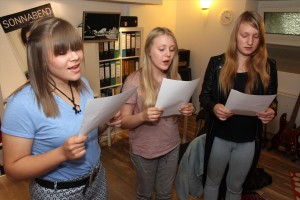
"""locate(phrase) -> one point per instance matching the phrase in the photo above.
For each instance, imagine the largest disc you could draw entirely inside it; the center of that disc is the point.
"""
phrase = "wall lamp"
(205, 4)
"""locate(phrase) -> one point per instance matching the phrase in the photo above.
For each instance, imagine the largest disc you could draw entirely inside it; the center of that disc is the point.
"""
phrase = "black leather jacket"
(211, 95)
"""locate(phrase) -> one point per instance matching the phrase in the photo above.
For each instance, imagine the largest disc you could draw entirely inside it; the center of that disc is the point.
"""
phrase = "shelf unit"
(127, 60)
(118, 64)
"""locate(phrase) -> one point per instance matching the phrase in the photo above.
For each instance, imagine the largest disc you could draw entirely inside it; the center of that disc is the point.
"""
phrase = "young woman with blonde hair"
(154, 140)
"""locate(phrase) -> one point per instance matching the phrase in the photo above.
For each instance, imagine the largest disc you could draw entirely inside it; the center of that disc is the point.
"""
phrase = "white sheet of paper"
(246, 104)
(173, 94)
(100, 110)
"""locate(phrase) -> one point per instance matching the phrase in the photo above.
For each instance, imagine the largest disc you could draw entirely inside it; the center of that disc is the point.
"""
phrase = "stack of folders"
(108, 50)
(131, 44)
(129, 66)
(110, 73)
(110, 91)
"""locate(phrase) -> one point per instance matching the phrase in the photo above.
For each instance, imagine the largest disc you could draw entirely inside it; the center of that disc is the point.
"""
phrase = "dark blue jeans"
(155, 175)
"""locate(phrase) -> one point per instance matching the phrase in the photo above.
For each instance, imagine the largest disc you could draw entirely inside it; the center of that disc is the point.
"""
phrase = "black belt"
(61, 185)
(68, 184)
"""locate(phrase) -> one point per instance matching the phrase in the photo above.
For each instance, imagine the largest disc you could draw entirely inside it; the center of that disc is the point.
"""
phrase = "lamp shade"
(205, 4)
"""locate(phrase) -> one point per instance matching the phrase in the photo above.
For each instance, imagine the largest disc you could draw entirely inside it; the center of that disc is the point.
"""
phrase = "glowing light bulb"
(205, 4)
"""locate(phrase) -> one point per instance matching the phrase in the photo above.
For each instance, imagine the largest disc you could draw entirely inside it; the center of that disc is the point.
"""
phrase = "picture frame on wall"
(100, 26)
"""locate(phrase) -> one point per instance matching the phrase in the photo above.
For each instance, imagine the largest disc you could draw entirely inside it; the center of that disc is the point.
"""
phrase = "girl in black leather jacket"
(232, 142)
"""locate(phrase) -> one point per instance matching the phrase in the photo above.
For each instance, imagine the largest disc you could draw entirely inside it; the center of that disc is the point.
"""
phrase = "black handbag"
(258, 180)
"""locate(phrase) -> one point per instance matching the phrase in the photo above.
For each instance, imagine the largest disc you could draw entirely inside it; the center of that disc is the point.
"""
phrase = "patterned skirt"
(96, 191)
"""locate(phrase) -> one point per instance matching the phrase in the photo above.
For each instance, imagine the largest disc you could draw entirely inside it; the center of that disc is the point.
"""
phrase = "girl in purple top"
(154, 139)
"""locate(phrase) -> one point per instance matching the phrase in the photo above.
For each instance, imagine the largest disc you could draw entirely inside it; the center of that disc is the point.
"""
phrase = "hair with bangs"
(149, 85)
(49, 36)
(257, 65)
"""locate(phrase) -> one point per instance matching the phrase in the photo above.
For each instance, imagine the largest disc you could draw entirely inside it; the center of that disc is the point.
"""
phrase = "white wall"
(202, 33)
(195, 29)
(288, 91)
(11, 75)
(150, 16)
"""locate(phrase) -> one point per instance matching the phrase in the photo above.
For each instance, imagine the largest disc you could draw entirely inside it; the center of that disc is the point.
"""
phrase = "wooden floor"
(121, 176)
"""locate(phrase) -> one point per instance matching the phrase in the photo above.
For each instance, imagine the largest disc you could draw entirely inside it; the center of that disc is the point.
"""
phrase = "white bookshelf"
(93, 62)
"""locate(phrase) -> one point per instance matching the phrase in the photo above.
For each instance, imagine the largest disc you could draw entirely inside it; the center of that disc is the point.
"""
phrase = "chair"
(200, 120)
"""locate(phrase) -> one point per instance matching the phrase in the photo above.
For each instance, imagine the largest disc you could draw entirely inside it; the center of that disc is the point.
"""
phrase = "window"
(284, 23)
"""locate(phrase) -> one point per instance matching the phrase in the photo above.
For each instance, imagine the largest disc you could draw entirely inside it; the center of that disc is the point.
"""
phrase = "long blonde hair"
(257, 65)
(149, 86)
(55, 36)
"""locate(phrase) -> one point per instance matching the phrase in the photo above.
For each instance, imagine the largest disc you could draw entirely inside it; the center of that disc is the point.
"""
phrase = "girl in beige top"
(154, 139)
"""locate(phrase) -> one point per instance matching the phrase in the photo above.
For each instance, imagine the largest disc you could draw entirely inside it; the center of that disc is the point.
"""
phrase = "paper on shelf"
(246, 104)
(173, 94)
(100, 110)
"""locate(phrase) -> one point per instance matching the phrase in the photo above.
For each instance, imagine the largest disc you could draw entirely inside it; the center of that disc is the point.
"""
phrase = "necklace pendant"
(77, 109)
